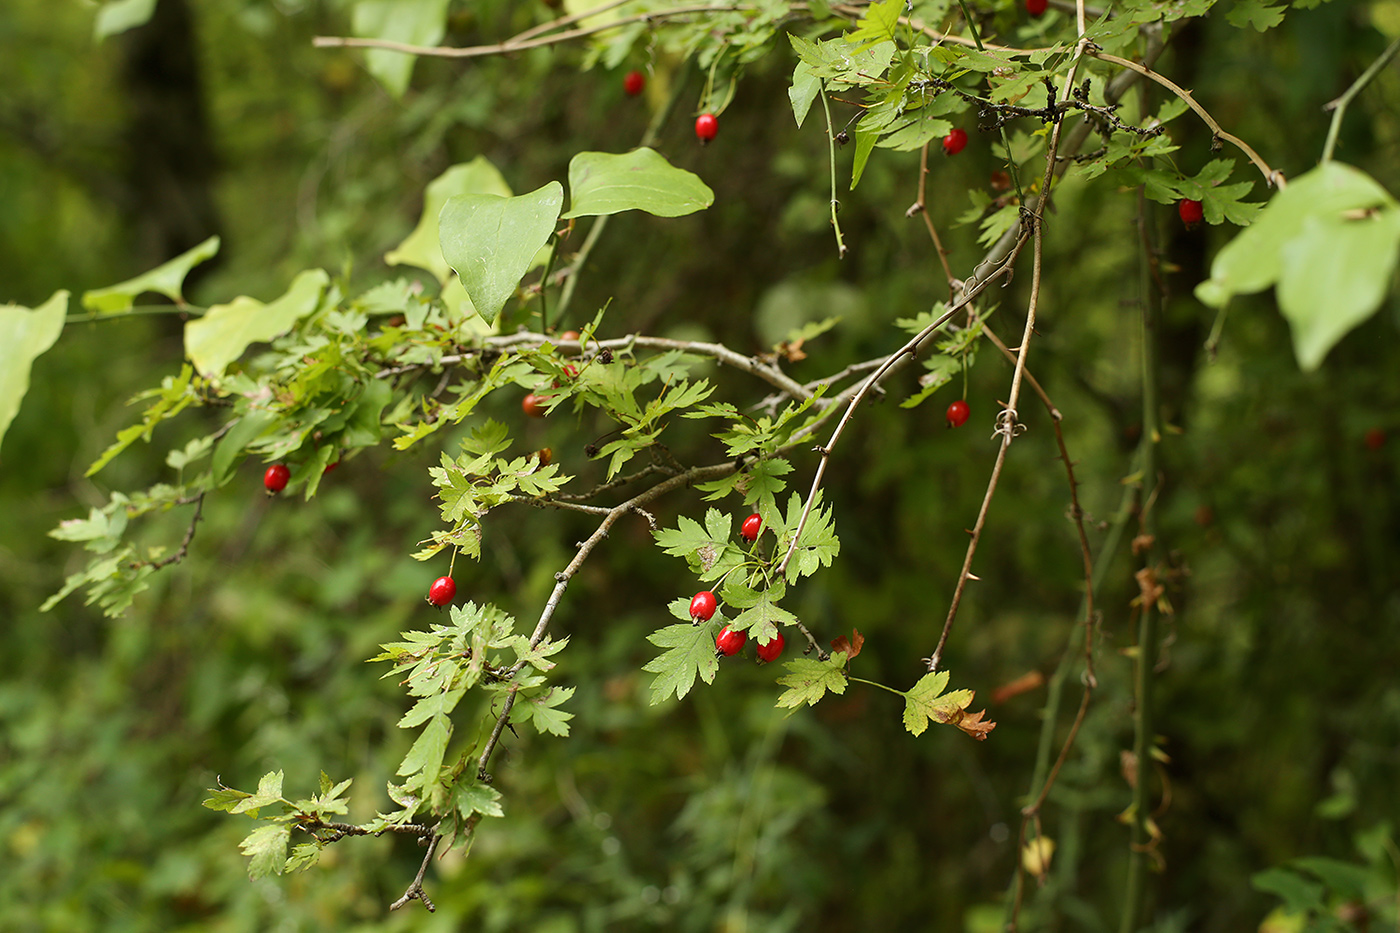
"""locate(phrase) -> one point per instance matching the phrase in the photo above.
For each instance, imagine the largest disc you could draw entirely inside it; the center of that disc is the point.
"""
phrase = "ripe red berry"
(958, 413)
(729, 642)
(702, 606)
(1036, 7)
(442, 591)
(955, 141)
(633, 83)
(275, 477)
(751, 527)
(769, 651)
(706, 127)
(1190, 211)
(534, 405)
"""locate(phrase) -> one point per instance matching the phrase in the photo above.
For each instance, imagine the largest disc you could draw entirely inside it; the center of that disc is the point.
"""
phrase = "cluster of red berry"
(703, 605)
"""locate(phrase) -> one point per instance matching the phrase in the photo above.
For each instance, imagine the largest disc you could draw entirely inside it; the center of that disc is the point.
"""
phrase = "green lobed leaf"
(690, 650)
(491, 241)
(421, 247)
(220, 336)
(808, 681)
(266, 846)
(166, 279)
(541, 710)
(24, 335)
(603, 183)
(926, 698)
(470, 797)
(426, 753)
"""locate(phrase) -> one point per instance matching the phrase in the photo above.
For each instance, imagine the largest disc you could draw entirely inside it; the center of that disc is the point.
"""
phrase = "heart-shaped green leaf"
(490, 241)
(421, 248)
(640, 180)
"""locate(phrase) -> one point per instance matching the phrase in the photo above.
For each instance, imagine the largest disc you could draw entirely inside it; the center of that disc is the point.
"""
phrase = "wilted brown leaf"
(851, 646)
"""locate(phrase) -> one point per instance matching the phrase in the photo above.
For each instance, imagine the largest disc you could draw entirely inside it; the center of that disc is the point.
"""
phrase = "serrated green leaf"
(926, 698)
(808, 681)
(438, 704)
(166, 279)
(761, 617)
(220, 336)
(224, 798)
(690, 650)
(491, 241)
(426, 754)
(470, 797)
(266, 847)
(24, 335)
(542, 711)
(642, 180)
(269, 792)
(421, 247)
(1256, 13)
(303, 857)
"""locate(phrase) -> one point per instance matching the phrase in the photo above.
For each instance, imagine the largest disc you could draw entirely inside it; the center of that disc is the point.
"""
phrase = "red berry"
(276, 476)
(569, 335)
(955, 141)
(729, 642)
(330, 466)
(1190, 211)
(751, 527)
(442, 591)
(769, 651)
(1036, 7)
(958, 413)
(706, 127)
(702, 606)
(534, 405)
(633, 83)
(1375, 439)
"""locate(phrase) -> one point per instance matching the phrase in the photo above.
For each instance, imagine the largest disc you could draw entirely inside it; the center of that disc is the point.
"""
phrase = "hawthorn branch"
(415, 890)
(530, 39)
(1271, 175)
(184, 549)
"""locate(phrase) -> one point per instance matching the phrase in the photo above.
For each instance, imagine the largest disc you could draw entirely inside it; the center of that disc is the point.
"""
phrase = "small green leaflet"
(707, 550)
(266, 846)
(690, 650)
(473, 797)
(540, 709)
(808, 681)
(926, 698)
(818, 544)
(761, 615)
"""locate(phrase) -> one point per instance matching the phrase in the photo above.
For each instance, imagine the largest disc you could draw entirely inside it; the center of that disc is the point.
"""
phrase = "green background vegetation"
(1278, 703)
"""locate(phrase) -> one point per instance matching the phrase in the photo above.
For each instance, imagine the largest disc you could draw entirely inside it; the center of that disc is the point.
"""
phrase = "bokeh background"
(1279, 701)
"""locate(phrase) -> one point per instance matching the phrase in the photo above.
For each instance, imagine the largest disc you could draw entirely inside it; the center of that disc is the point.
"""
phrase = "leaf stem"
(831, 149)
(1339, 106)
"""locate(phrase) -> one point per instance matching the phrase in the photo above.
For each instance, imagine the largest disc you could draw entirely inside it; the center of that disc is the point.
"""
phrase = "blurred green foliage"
(1278, 707)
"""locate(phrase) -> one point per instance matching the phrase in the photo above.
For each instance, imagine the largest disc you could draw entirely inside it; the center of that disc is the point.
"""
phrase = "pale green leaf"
(690, 650)
(117, 16)
(266, 846)
(221, 336)
(642, 180)
(167, 279)
(421, 248)
(926, 698)
(490, 241)
(24, 335)
(411, 22)
(808, 681)
(804, 90)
